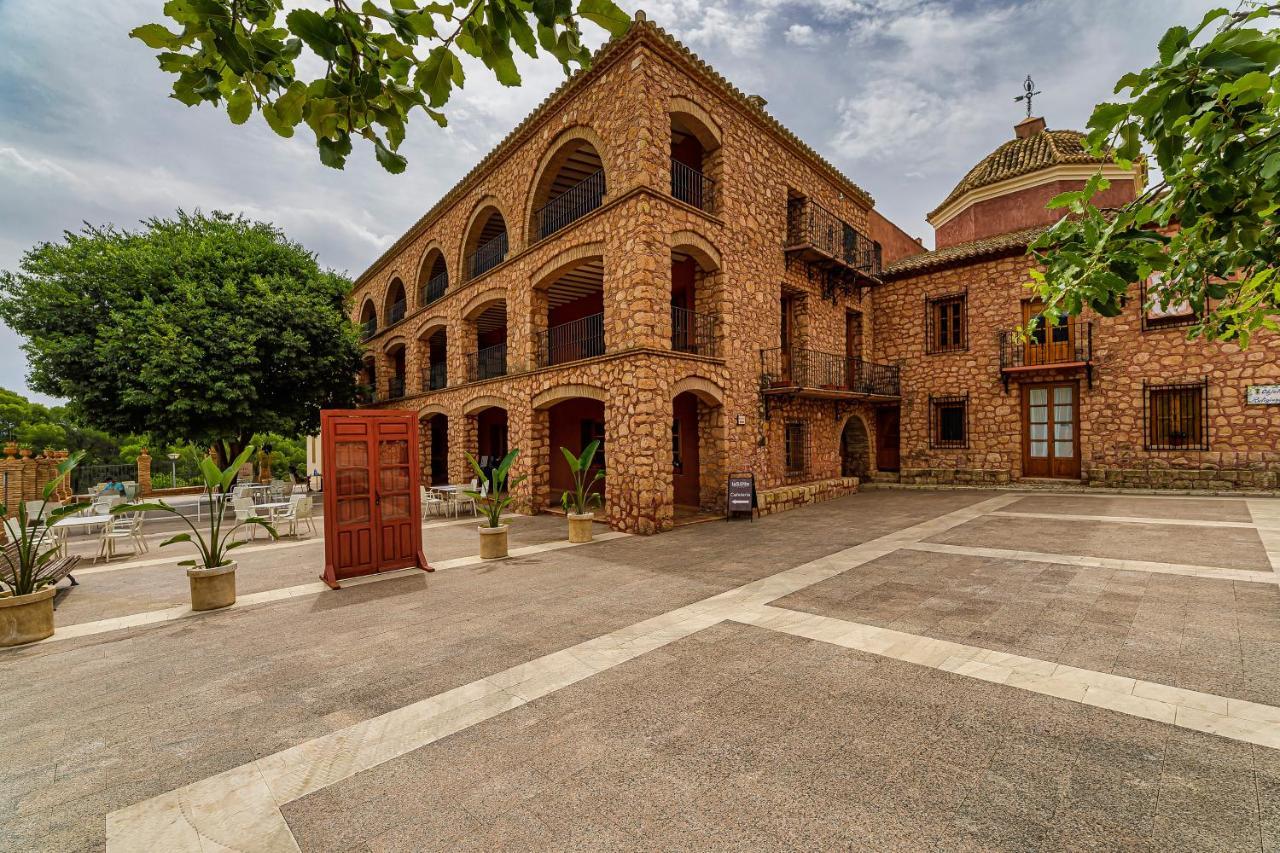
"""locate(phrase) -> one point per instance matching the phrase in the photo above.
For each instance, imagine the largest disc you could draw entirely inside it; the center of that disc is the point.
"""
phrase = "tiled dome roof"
(1021, 156)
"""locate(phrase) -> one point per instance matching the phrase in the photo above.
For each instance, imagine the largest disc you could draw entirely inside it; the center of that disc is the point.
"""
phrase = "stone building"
(652, 260)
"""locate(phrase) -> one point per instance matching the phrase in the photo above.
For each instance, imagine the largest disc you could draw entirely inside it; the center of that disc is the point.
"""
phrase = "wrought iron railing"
(488, 255)
(571, 341)
(809, 224)
(1068, 343)
(395, 387)
(572, 204)
(691, 186)
(435, 288)
(397, 312)
(368, 328)
(435, 376)
(693, 332)
(487, 363)
(810, 369)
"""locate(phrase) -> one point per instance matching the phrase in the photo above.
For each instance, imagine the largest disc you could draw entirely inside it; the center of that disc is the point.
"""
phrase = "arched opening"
(434, 439)
(568, 314)
(572, 184)
(697, 453)
(487, 242)
(435, 367)
(695, 161)
(368, 380)
(573, 424)
(490, 436)
(396, 363)
(433, 278)
(487, 326)
(695, 302)
(855, 449)
(368, 320)
(396, 304)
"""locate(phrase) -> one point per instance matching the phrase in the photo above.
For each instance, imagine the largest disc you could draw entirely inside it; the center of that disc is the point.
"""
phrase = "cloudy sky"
(903, 95)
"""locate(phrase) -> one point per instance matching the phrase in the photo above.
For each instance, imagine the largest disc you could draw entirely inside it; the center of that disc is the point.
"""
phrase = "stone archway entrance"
(434, 437)
(855, 449)
(697, 451)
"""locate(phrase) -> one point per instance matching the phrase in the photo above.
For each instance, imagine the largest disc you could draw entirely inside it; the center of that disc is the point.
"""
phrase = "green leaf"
(391, 161)
(319, 33)
(606, 14)
(154, 36)
(435, 75)
(240, 104)
(333, 152)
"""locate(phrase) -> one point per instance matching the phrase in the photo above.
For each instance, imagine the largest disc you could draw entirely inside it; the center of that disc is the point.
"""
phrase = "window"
(1177, 416)
(1156, 314)
(677, 459)
(949, 422)
(946, 323)
(797, 441)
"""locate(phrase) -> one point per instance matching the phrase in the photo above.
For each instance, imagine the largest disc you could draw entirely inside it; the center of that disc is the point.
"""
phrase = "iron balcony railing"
(395, 387)
(693, 332)
(571, 341)
(810, 225)
(691, 186)
(397, 312)
(1069, 343)
(798, 368)
(368, 328)
(435, 288)
(488, 256)
(572, 204)
(487, 363)
(435, 376)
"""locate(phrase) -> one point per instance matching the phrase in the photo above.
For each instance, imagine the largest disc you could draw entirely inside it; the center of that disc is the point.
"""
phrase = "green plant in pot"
(493, 500)
(212, 574)
(31, 564)
(579, 500)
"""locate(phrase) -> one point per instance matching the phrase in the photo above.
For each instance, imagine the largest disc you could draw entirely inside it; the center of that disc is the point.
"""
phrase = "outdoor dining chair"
(432, 503)
(245, 509)
(126, 527)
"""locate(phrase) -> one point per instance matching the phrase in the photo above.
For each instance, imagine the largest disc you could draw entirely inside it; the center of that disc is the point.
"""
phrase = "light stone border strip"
(1120, 565)
(1232, 718)
(1266, 515)
(1127, 519)
(170, 614)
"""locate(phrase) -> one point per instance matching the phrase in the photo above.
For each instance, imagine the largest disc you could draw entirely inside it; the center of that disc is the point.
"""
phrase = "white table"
(62, 525)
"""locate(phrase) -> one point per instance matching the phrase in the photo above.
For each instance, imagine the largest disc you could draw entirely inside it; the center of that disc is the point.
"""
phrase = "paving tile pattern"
(1129, 505)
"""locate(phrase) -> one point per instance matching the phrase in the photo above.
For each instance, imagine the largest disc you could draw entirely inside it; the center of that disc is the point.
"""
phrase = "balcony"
(487, 363)
(817, 236)
(1067, 346)
(395, 388)
(488, 256)
(691, 186)
(571, 341)
(692, 332)
(435, 377)
(823, 375)
(435, 288)
(397, 312)
(368, 328)
(570, 206)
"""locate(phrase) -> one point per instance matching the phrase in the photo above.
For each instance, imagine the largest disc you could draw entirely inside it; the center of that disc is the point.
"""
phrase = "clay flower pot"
(212, 588)
(26, 618)
(493, 542)
(580, 527)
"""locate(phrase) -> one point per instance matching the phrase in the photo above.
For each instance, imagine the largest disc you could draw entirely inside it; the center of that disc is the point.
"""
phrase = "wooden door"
(1048, 344)
(394, 494)
(887, 437)
(1050, 430)
(354, 547)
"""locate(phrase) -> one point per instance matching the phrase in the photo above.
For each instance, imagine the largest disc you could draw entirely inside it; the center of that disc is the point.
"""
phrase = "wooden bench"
(56, 569)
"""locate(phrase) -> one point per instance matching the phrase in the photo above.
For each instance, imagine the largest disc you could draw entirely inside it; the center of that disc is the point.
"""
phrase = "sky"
(903, 96)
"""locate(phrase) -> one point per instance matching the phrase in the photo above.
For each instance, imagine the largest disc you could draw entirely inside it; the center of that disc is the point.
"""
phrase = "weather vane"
(1028, 92)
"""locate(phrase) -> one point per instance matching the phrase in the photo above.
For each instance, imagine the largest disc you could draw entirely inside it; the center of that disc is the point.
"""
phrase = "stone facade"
(24, 474)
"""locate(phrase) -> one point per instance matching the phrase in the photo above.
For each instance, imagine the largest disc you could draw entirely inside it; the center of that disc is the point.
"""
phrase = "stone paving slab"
(1129, 505)
(1229, 548)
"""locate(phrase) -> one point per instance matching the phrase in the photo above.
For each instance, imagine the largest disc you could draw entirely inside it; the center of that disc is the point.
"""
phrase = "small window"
(1177, 416)
(946, 323)
(797, 440)
(949, 422)
(677, 458)
(1157, 313)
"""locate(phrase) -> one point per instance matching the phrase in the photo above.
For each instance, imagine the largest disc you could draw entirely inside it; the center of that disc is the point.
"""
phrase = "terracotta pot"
(580, 527)
(213, 588)
(26, 618)
(493, 542)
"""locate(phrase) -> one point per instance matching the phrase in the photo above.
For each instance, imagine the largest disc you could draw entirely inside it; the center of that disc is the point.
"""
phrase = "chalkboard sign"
(742, 495)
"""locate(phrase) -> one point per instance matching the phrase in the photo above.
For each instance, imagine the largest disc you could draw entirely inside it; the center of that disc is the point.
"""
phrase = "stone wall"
(790, 497)
(24, 474)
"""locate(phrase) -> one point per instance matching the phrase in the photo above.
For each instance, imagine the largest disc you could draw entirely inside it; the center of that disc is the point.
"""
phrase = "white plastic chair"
(125, 528)
(432, 503)
(245, 509)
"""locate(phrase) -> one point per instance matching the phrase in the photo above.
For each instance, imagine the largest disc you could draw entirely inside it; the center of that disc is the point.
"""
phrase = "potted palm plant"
(577, 502)
(213, 575)
(28, 568)
(493, 501)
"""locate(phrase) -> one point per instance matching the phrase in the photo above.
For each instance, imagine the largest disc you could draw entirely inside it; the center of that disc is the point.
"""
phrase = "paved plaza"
(894, 670)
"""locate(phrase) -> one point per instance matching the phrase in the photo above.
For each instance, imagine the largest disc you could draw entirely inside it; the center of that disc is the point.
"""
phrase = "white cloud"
(803, 35)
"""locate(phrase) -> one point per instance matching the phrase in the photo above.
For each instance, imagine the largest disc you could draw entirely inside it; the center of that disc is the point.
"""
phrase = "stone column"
(144, 473)
(523, 434)
(637, 431)
(637, 280)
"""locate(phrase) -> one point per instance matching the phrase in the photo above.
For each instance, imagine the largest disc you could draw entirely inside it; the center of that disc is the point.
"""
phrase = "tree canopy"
(200, 328)
(1207, 113)
(380, 60)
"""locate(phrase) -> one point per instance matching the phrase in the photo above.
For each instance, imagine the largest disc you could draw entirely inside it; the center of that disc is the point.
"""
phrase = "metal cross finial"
(1028, 92)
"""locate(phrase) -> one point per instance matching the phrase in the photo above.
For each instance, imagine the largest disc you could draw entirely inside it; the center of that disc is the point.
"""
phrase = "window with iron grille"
(1159, 313)
(946, 323)
(797, 446)
(1177, 416)
(949, 422)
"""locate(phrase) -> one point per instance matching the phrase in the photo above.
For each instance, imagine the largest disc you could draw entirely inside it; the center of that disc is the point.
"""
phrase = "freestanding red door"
(372, 505)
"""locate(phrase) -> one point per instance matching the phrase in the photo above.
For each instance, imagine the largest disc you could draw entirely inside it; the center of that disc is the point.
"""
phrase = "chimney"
(1028, 127)
(757, 101)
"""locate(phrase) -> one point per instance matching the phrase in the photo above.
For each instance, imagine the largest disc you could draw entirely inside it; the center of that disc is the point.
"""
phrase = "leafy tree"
(380, 59)
(198, 328)
(1208, 111)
